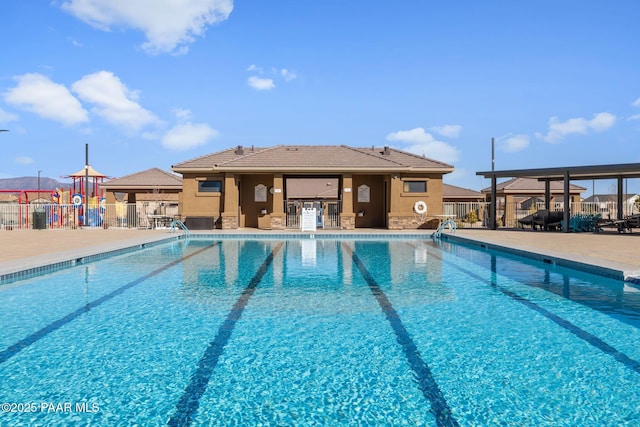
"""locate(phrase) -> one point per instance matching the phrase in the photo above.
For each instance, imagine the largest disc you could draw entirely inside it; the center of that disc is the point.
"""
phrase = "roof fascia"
(311, 170)
(627, 170)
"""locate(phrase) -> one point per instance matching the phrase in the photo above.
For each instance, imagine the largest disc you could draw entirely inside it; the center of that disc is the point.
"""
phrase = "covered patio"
(619, 172)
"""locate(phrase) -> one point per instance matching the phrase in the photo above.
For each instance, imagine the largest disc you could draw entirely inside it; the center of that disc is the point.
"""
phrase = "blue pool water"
(319, 332)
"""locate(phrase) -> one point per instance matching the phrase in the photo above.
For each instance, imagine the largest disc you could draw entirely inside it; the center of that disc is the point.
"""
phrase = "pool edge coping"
(613, 271)
(56, 261)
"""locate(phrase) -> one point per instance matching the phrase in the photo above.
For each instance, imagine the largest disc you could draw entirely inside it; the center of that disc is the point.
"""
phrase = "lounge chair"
(544, 219)
(527, 220)
(625, 225)
(547, 219)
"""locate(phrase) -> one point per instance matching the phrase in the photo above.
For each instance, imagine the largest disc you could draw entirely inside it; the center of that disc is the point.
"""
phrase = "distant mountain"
(31, 183)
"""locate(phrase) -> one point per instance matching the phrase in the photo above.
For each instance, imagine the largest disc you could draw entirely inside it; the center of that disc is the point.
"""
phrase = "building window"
(210, 186)
(414, 187)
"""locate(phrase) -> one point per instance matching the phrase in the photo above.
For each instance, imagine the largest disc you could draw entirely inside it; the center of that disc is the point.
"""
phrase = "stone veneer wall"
(410, 222)
(348, 222)
(278, 222)
(229, 223)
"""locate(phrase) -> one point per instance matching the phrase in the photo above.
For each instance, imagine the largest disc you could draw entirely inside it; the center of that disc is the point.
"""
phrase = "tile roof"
(82, 173)
(532, 185)
(157, 197)
(609, 197)
(312, 158)
(151, 178)
(452, 192)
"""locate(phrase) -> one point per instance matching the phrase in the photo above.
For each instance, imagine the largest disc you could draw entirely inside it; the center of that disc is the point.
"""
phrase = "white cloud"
(449, 131)
(168, 25)
(187, 135)
(457, 175)
(558, 130)
(38, 94)
(288, 75)
(423, 143)
(515, 143)
(23, 160)
(635, 117)
(636, 103)
(602, 121)
(112, 100)
(182, 114)
(6, 117)
(260, 83)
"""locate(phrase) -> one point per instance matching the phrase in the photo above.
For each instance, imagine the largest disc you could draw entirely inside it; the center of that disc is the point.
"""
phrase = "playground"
(80, 205)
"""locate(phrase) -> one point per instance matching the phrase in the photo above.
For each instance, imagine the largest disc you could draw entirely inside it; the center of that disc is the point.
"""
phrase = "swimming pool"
(319, 332)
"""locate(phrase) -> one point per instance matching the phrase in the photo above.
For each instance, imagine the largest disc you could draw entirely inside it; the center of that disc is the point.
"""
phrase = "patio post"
(567, 203)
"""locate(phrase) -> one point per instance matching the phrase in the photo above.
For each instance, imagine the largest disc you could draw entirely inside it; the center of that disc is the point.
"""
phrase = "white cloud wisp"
(113, 100)
(558, 130)
(168, 25)
(38, 94)
(515, 143)
(259, 83)
(423, 143)
(186, 136)
(449, 131)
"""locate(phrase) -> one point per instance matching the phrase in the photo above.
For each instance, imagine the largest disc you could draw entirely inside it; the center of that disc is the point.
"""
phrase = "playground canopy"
(92, 173)
(79, 177)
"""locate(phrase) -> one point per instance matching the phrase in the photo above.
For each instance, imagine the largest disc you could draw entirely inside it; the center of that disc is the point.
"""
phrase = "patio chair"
(622, 225)
(547, 220)
(527, 220)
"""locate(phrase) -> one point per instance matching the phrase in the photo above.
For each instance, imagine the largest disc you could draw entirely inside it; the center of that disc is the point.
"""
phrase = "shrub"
(471, 217)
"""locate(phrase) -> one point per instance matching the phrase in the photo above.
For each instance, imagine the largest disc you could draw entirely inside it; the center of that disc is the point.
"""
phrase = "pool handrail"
(447, 223)
(176, 223)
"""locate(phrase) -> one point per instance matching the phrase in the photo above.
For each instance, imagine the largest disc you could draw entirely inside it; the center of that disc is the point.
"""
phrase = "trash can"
(39, 220)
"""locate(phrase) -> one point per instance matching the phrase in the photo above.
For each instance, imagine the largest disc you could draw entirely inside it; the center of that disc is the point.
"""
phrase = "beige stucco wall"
(402, 214)
(251, 210)
(197, 204)
(239, 190)
(369, 214)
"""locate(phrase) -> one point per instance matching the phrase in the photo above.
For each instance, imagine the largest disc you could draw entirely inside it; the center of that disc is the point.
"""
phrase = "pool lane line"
(423, 375)
(16, 348)
(190, 400)
(619, 356)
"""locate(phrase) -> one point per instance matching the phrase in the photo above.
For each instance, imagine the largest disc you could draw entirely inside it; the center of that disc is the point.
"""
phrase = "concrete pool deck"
(26, 249)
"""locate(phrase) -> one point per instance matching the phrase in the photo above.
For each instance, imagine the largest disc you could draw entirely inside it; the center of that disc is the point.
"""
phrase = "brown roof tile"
(312, 158)
(151, 178)
(522, 185)
(453, 192)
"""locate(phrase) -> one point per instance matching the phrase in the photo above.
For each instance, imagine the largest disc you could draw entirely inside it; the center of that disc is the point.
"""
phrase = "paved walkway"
(609, 250)
(24, 249)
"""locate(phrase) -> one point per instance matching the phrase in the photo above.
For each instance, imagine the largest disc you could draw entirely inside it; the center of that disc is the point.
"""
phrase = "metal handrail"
(179, 224)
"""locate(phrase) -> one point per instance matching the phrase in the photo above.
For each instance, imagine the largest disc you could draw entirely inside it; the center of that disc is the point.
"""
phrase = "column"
(231, 201)
(278, 215)
(347, 216)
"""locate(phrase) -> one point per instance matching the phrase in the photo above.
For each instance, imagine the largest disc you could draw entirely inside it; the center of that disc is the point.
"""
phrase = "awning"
(312, 188)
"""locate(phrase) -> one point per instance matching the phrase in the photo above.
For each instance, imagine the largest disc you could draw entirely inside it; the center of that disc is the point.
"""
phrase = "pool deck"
(28, 249)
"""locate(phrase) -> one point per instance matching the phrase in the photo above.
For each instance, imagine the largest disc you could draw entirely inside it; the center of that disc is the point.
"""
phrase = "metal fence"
(468, 214)
(14, 216)
(328, 213)
(476, 214)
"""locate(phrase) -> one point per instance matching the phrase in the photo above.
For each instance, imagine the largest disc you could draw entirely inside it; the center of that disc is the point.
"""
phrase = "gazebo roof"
(82, 173)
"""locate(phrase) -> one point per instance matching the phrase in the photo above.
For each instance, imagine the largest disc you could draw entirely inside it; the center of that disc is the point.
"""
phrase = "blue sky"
(147, 84)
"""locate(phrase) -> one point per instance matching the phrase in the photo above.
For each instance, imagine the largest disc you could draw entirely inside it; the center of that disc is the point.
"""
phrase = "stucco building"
(348, 187)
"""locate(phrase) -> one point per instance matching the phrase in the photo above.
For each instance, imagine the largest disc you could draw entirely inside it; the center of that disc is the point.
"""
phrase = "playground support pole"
(86, 185)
